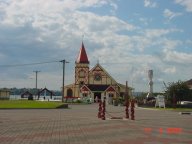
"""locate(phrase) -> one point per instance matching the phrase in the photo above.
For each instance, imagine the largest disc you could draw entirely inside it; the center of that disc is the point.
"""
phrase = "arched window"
(69, 93)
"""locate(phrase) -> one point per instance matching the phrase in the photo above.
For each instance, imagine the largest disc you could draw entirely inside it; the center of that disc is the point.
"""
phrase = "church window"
(111, 95)
(82, 73)
(85, 94)
(97, 77)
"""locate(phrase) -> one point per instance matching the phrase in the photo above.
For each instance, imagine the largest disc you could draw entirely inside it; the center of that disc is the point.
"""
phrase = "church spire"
(82, 57)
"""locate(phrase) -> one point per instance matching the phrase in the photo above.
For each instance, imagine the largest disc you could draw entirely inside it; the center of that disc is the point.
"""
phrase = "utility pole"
(63, 61)
(127, 92)
(36, 72)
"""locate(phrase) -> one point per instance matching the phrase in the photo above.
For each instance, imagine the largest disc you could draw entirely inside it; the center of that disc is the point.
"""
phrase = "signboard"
(160, 101)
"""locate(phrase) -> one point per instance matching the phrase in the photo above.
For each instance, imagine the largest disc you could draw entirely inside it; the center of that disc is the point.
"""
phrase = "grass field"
(22, 104)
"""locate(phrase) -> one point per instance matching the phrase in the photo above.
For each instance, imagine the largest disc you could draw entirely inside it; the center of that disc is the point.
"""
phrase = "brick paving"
(80, 125)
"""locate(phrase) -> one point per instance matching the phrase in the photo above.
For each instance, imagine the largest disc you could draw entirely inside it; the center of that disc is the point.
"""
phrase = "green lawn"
(22, 104)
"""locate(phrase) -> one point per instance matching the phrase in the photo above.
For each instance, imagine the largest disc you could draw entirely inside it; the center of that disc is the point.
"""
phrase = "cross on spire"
(82, 37)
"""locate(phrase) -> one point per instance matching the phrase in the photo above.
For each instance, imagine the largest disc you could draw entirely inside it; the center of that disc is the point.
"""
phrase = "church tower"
(82, 67)
(93, 84)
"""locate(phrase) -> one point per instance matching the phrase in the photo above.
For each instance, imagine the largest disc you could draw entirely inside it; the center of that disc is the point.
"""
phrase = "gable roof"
(110, 89)
(26, 94)
(98, 65)
(82, 57)
(45, 89)
(84, 88)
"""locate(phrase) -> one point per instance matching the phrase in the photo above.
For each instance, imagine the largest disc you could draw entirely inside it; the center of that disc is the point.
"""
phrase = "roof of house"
(82, 57)
(110, 88)
(189, 82)
(45, 89)
(85, 88)
(26, 93)
(98, 88)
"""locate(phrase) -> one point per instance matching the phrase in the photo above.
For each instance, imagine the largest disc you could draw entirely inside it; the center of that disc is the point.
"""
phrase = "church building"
(94, 83)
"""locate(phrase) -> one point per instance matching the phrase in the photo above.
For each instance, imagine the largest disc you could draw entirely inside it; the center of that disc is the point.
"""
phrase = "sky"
(127, 37)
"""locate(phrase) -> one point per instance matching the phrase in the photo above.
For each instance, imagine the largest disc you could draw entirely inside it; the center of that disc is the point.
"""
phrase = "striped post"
(132, 110)
(127, 109)
(103, 110)
(100, 109)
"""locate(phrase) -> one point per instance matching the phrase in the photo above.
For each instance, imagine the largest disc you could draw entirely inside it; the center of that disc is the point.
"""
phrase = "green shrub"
(78, 101)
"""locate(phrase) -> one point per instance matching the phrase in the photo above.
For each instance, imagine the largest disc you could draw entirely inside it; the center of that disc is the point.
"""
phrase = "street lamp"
(63, 61)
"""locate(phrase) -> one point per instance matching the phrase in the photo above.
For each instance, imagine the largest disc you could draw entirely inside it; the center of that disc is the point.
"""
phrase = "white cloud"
(53, 29)
(145, 21)
(62, 20)
(115, 6)
(154, 38)
(55, 13)
(60, 23)
(159, 32)
(170, 14)
(186, 3)
(19, 13)
(178, 57)
(170, 70)
(169, 45)
(149, 3)
(90, 22)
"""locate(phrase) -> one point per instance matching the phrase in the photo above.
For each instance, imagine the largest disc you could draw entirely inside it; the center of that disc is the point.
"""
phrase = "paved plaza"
(79, 125)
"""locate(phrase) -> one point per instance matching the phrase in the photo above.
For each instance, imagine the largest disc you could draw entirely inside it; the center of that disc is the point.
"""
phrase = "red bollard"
(100, 109)
(103, 110)
(127, 109)
(132, 110)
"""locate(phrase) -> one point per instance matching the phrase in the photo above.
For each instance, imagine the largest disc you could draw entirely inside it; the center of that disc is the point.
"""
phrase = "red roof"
(82, 57)
(110, 89)
(84, 89)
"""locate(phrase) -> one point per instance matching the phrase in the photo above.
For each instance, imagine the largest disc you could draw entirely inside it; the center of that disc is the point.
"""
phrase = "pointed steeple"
(82, 57)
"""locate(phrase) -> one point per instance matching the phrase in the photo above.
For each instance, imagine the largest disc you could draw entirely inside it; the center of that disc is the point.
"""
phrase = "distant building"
(94, 83)
(4, 94)
(26, 94)
(44, 93)
(189, 83)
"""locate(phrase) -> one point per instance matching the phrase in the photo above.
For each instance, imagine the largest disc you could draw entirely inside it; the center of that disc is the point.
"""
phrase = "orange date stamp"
(170, 130)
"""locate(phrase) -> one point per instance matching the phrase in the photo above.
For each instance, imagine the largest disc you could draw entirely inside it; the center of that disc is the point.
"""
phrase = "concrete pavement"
(80, 125)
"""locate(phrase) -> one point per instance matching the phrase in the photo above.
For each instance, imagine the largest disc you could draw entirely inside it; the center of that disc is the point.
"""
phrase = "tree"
(178, 91)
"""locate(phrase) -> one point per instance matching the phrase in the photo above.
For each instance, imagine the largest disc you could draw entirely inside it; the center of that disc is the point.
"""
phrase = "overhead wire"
(28, 64)
(39, 63)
